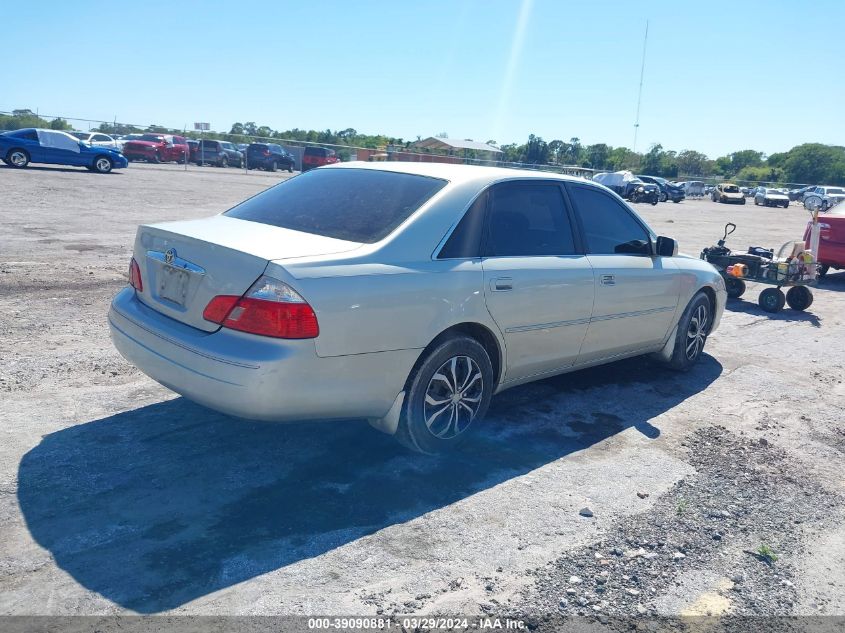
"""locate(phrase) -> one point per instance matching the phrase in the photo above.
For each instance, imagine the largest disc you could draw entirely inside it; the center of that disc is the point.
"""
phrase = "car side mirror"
(666, 247)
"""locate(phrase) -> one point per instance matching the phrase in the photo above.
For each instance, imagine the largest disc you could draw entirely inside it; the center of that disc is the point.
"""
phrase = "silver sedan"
(407, 294)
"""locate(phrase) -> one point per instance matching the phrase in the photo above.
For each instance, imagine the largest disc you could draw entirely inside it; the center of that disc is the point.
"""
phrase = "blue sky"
(719, 76)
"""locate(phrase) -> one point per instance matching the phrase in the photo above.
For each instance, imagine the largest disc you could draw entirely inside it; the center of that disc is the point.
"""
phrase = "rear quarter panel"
(371, 307)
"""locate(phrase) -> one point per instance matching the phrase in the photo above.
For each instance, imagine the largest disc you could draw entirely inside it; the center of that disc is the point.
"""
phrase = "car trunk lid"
(186, 264)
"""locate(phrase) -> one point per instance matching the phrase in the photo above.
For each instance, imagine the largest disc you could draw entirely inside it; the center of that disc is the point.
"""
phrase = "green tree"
(814, 163)
(597, 155)
(691, 163)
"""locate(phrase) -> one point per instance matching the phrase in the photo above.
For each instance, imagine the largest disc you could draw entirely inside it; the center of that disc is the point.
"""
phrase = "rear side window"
(359, 205)
(609, 227)
(528, 219)
(465, 240)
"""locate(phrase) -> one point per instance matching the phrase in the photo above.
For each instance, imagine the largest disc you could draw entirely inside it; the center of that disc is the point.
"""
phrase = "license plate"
(173, 285)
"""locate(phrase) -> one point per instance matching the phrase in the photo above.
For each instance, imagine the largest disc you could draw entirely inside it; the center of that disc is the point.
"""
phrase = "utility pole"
(640, 93)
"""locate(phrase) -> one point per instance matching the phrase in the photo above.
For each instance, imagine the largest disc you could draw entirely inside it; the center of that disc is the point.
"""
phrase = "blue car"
(19, 148)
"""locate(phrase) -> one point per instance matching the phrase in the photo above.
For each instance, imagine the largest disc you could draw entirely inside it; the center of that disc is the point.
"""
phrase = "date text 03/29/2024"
(415, 623)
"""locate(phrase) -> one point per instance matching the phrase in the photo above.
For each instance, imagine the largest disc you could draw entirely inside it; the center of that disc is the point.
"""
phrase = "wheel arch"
(478, 331)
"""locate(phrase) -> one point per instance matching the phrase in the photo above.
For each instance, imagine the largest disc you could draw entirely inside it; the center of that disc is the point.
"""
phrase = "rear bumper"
(255, 377)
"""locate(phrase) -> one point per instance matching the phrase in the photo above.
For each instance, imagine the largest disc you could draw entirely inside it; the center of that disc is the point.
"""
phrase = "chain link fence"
(195, 140)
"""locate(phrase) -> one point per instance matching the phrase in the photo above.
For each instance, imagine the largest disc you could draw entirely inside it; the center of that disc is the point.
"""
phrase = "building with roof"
(455, 147)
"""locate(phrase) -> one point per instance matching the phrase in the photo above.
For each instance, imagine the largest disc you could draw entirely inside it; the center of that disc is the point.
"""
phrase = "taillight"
(269, 308)
(266, 152)
(135, 275)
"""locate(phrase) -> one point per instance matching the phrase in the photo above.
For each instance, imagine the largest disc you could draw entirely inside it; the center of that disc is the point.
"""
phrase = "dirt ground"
(716, 491)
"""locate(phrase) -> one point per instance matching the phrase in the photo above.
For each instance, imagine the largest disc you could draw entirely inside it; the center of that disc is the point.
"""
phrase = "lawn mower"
(792, 267)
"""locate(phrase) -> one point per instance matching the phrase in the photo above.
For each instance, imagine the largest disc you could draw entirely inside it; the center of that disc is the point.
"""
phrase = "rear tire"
(224, 162)
(799, 298)
(693, 329)
(273, 166)
(17, 158)
(822, 270)
(446, 396)
(156, 158)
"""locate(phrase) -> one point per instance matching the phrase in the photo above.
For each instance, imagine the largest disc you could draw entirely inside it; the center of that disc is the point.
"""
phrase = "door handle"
(608, 280)
(501, 284)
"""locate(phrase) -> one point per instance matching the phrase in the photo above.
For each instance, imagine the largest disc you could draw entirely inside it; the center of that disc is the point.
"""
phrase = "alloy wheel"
(18, 159)
(453, 397)
(697, 332)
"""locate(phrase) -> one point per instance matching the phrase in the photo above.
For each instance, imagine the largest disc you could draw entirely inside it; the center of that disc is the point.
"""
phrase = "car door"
(538, 285)
(636, 292)
(61, 149)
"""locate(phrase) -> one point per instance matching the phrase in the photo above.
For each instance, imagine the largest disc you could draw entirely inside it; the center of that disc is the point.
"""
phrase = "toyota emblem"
(169, 255)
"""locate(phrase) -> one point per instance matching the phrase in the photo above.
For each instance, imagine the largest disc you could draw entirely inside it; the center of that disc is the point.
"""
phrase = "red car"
(317, 157)
(832, 243)
(157, 148)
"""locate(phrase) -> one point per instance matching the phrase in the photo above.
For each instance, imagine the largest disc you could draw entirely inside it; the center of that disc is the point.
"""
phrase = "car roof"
(456, 173)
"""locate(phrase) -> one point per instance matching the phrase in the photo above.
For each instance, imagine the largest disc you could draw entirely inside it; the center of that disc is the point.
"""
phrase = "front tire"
(693, 329)
(17, 158)
(772, 300)
(447, 395)
(735, 287)
(103, 165)
(822, 270)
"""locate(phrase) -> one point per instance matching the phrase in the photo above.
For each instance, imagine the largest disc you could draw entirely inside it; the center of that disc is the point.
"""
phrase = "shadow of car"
(155, 507)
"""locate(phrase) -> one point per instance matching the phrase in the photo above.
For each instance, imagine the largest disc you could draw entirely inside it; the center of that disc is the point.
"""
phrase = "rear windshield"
(257, 146)
(358, 205)
(209, 144)
(731, 189)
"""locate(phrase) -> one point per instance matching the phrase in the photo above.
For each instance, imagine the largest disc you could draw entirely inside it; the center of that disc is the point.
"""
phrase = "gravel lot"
(118, 497)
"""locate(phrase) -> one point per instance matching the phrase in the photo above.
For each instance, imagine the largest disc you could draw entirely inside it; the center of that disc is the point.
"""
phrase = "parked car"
(317, 157)
(824, 198)
(19, 148)
(269, 156)
(629, 186)
(831, 243)
(157, 148)
(797, 195)
(122, 140)
(96, 139)
(727, 192)
(668, 191)
(220, 153)
(771, 197)
(694, 189)
(406, 294)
